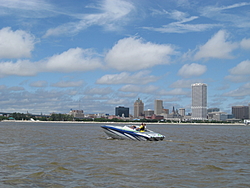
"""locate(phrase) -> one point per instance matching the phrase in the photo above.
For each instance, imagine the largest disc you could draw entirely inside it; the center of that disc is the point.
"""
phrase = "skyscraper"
(158, 107)
(199, 101)
(138, 108)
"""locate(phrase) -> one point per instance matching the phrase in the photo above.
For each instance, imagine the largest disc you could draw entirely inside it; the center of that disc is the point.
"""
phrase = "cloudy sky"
(99, 54)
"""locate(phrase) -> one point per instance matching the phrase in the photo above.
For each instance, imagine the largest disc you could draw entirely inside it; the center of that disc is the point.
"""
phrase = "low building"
(122, 111)
(77, 113)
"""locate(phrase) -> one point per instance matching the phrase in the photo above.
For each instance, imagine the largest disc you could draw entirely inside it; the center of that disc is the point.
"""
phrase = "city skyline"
(55, 55)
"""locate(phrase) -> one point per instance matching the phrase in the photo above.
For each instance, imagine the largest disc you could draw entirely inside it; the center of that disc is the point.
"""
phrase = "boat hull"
(126, 133)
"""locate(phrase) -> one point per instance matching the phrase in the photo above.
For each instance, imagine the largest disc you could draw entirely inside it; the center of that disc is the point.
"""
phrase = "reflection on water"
(80, 155)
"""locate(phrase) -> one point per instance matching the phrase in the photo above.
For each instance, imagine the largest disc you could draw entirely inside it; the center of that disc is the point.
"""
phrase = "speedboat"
(130, 133)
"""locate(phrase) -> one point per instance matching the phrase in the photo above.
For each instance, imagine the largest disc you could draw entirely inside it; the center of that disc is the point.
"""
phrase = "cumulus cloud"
(245, 44)
(176, 91)
(15, 44)
(64, 84)
(40, 83)
(141, 77)
(216, 47)
(241, 69)
(20, 68)
(113, 14)
(192, 70)
(131, 54)
(75, 59)
(139, 89)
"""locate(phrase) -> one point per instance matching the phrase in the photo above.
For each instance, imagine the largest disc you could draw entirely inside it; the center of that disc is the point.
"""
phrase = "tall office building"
(158, 107)
(138, 108)
(122, 111)
(199, 101)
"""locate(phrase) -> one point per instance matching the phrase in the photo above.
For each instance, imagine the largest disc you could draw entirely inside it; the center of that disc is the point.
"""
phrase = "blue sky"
(96, 55)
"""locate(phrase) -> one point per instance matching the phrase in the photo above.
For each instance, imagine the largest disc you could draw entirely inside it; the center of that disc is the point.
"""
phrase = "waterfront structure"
(199, 101)
(122, 111)
(158, 107)
(219, 116)
(77, 113)
(240, 112)
(138, 108)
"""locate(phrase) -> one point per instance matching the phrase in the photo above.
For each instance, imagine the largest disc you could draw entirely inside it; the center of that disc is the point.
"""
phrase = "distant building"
(148, 113)
(240, 112)
(138, 108)
(158, 107)
(157, 117)
(122, 111)
(213, 110)
(165, 111)
(174, 115)
(182, 112)
(199, 101)
(77, 113)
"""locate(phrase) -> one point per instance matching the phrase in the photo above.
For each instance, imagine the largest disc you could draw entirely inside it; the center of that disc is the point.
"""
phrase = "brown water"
(80, 155)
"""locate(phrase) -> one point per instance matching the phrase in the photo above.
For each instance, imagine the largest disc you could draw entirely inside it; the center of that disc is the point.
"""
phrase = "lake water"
(80, 155)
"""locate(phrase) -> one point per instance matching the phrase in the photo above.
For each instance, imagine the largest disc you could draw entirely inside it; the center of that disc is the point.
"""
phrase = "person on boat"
(133, 127)
(142, 127)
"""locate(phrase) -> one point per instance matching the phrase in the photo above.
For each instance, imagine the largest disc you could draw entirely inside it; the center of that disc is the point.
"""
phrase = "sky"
(95, 55)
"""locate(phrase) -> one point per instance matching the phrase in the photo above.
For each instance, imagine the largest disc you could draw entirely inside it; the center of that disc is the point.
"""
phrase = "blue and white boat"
(130, 133)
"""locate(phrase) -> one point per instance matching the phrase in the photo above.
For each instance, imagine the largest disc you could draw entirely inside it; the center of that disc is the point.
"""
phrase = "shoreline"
(93, 122)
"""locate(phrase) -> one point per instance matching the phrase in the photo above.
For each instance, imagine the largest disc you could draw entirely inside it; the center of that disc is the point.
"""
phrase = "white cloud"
(16, 88)
(176, 91)
(237, 78)
(192, 70)
(184, 83)
(216, 47)
(64, 84)
(240, 92)
(15, 44)
(20, 68)
(141, 77)
(40, 83)
(139, 89)
(181, 26)
(241, 69)
(75, 59)
(228, 16)
(114, 13)
(27, 8)
(245, 44)
(131, 54)
(98, 91)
